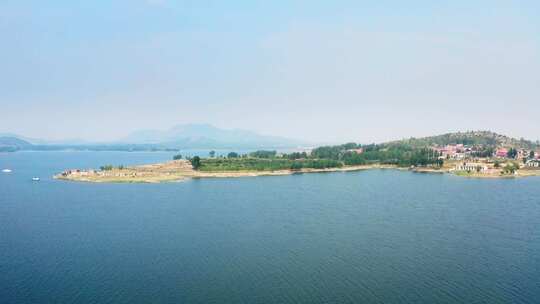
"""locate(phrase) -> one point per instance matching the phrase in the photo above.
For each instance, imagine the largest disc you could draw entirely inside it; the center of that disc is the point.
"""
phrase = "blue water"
(378, 236)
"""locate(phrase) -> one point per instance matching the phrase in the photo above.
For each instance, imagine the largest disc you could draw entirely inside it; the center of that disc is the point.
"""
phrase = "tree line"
(323, 157)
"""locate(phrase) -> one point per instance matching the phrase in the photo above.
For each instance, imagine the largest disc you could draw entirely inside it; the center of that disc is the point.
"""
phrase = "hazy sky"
(317, 70)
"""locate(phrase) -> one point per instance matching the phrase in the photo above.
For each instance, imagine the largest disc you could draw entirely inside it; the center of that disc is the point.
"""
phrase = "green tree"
(212, 153)
(196, 162)
(232, 155)
(297, 155)
(296, 166)
(177, 157)
(511, 153)
(263, 154)
(510, 168)
(531, 154)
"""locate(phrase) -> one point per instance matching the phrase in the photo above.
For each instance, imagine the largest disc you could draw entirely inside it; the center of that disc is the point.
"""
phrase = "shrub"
(196, 162)
(232, 155)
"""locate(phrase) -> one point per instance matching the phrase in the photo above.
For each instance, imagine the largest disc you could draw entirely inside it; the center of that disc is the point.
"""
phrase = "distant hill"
(189, 136)
(39, 141)
(486, 138)
(9, 144)
(207, 136)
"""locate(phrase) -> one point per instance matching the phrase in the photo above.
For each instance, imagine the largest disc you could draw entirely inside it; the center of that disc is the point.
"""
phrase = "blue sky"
(316, 70)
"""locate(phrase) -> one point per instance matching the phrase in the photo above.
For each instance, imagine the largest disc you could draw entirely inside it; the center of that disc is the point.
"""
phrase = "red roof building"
(357, 151)
(501, 152)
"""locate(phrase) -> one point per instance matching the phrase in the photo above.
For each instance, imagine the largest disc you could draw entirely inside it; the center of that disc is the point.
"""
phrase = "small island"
(479, 154)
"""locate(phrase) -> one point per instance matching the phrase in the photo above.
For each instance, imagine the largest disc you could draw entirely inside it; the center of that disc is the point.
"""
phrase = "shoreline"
(181, 170)
(175, 171)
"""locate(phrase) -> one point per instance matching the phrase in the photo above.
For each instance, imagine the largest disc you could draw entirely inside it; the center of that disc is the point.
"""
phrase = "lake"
(380, 236)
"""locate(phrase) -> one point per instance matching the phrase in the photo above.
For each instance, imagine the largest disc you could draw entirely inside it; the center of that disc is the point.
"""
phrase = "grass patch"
(264, 164)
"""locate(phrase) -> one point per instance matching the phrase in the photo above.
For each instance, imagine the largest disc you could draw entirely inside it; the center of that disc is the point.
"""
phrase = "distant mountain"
(486, 138)
(207, 136)
(39, 141)
(9, 144)
(204, 136)
(17, 136)
(190, 136)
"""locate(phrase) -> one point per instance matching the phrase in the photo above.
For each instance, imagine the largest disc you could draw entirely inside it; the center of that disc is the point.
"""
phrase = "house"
(472, 167)
(459, 156)
(533, 163)
(438, 150)
(502, 153)
(523, 154)
(357, 151)
(448, 151)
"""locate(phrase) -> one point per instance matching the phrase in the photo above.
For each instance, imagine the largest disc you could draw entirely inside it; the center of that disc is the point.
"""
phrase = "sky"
(323, 71)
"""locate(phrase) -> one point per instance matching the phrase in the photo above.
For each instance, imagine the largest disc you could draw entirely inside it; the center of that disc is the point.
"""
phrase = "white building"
(472, 167)
(533, 163)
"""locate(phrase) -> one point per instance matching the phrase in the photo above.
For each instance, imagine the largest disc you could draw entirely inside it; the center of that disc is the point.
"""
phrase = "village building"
(451, 151)
(523, 154)
(472, 167)
(459, 156)
(502, 153)
(357, 151)
(533, 163)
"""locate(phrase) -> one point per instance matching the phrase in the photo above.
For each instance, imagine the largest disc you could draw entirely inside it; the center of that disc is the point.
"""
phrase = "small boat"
(36, 179)
(6, 171)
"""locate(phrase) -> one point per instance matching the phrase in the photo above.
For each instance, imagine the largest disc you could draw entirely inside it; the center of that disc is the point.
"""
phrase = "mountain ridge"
(208, 136)
(10, 144)
(482, 137)
(205, 136)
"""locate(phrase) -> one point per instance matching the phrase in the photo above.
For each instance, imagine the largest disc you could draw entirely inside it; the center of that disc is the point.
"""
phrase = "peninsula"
(479, 154)
(178, 170)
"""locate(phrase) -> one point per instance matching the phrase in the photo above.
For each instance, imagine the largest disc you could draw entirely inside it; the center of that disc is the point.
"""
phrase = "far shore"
(179, 170)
